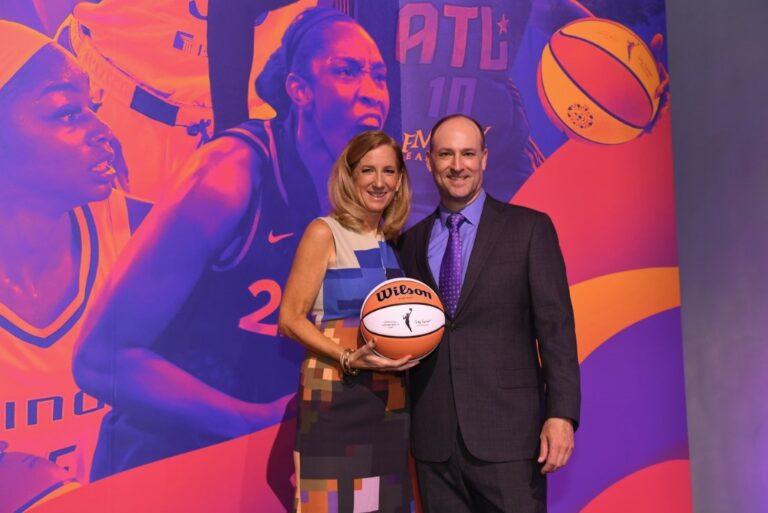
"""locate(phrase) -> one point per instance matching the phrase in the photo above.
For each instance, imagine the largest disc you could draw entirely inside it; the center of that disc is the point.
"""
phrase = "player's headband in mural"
(17, 45)
(308, 21)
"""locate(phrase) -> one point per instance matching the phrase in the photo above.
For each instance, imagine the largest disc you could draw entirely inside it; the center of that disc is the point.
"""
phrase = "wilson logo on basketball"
(401, 290)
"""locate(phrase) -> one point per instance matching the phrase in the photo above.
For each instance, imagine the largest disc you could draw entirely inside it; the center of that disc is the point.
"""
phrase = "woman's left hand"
(366, 358)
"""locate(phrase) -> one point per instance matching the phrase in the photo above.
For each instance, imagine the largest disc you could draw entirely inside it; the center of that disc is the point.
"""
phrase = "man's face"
(457, 161)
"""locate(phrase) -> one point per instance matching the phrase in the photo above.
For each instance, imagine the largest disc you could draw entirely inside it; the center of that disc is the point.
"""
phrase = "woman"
(183, 342)
(352, 426)
(61, 228)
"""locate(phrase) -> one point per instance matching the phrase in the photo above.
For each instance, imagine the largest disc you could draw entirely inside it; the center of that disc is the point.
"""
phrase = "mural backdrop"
(140, 364)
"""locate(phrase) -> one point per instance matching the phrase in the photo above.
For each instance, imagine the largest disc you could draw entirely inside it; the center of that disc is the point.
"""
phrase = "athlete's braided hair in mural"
(301, 42)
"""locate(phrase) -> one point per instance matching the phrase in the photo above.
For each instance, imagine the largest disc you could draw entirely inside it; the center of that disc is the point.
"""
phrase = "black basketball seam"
(549, 102)
(552, 107)
(410, 336)
(409, 303)
(578, 86)
(631, 72)
(416, 358)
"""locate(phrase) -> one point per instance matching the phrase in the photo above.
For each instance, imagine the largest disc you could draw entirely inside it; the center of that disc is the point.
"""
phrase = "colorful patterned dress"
(352, 436)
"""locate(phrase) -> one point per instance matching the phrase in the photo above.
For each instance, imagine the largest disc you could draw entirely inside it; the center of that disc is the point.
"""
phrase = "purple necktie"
(450, 268)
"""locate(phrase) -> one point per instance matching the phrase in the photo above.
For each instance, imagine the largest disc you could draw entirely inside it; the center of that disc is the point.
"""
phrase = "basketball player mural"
(183, 342)
(456, 57)
(61, 228)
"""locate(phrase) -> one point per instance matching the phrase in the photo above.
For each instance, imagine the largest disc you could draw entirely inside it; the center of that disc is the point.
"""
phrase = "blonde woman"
(353, 423)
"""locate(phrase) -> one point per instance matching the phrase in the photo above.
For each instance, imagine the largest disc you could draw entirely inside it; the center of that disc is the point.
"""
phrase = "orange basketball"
(597, 80)
(405, 316)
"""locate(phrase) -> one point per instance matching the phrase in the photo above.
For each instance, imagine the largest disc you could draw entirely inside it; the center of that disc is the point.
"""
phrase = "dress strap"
(351, 246)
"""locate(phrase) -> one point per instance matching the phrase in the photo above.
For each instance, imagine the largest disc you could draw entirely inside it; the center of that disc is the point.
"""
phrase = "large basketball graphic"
(597, 80)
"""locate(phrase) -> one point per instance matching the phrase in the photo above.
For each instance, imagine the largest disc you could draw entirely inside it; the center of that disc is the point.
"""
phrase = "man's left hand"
(556, 444)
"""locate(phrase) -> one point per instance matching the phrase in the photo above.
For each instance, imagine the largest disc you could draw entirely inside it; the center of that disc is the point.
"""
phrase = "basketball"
(31, 480)
(596, 80)
(405, 316)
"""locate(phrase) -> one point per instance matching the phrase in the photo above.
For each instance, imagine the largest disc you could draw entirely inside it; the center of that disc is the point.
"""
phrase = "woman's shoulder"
(319, 230)
(329, 221)
(338, 227)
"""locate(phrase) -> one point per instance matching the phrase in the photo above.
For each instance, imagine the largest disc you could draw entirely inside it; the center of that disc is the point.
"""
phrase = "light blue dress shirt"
(438, 239)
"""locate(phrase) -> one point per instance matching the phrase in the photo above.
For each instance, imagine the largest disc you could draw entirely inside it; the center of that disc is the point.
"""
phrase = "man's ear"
(298, 90)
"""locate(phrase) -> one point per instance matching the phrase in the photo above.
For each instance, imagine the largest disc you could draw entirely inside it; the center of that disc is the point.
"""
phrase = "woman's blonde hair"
(348, 206)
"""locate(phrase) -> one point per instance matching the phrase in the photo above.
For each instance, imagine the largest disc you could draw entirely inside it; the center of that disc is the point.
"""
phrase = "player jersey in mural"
(226, 332)
(456, 57)
(42, 411)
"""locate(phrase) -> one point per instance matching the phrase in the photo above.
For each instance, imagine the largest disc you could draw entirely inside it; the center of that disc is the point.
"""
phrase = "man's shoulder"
(412, 233)
(518, 213)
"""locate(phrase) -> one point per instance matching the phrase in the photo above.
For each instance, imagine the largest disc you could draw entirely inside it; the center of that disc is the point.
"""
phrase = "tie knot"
(455, 220)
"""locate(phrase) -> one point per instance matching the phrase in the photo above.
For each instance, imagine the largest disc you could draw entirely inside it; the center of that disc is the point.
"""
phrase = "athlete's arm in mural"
(230, 54)
(114, 359)
(662, 91)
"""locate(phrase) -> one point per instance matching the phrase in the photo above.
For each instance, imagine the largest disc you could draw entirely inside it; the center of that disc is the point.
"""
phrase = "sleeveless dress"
(352, 434)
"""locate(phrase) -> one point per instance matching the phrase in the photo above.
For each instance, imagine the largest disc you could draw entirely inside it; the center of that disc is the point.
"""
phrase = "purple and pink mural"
(161, 160)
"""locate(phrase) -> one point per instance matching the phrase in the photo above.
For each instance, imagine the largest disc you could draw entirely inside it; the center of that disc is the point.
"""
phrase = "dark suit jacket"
(485, 378)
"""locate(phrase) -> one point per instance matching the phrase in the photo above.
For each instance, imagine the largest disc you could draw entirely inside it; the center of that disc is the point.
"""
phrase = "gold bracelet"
(346, 368)
(345, 361)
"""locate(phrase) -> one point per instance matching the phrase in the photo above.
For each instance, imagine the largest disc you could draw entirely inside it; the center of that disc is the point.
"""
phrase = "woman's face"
(349, 85)
(377, 178)
(51, 143)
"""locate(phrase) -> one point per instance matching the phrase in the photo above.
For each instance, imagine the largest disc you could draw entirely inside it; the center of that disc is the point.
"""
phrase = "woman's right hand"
(366, 358)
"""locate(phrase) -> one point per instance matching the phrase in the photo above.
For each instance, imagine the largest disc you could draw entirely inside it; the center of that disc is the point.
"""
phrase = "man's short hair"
(454, 116)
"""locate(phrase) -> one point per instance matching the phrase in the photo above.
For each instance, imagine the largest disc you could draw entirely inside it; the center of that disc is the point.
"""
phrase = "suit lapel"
(421, 251)
(488, 232)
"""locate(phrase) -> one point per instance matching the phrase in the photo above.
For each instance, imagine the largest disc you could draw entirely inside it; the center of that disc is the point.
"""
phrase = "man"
(493, 411)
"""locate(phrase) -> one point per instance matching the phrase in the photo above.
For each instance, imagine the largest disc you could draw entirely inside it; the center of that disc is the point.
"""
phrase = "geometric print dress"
(352, 433)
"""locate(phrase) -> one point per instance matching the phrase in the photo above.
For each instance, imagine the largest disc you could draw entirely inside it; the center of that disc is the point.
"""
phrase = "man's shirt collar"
(471, 212)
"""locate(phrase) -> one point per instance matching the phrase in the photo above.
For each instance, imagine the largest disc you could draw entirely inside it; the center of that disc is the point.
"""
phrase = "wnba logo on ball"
(405, 317)
(401, 290)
